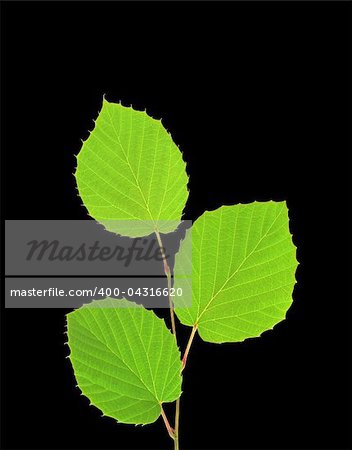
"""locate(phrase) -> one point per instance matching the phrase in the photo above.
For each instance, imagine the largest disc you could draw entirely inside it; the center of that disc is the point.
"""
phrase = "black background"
(255, 96)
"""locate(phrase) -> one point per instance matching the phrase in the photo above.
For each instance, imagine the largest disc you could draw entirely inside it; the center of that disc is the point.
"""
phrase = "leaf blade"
(129, 169)
(124, 358)
(245, 263)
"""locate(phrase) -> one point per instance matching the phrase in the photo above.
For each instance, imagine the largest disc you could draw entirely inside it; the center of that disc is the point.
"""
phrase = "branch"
(168, 275)
(185, 356)
(169, 428)
(173, 433)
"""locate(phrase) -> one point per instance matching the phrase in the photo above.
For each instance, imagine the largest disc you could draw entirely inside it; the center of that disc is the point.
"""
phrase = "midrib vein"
(129, 165)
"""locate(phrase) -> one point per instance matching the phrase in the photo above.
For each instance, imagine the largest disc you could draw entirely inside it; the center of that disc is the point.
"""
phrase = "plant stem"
(177, 423)
(169, 428)
(177, 415)
(175, 432)
(168, 275)
(185, 356)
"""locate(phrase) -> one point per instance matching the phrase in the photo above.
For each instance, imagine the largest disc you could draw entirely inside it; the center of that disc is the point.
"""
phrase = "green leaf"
(125, 359)
(130, 174)
(244, 268)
